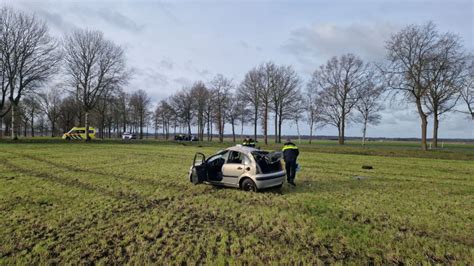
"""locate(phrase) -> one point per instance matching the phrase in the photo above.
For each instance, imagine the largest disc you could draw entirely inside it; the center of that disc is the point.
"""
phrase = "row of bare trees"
(91, 65)
(431, 70)
(425, 68)
(55, 111)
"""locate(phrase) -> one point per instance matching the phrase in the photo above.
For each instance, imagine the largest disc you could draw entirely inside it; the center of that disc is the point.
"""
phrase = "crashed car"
(129, 136)
(242, 167)
(182, 137)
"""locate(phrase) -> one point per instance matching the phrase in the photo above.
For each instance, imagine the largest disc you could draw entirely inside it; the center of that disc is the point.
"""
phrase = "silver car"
(241, 167)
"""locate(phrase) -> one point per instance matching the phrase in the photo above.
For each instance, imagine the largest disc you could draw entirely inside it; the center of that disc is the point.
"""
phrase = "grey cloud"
(203, 72)
(56, 20)
(322, 41)
(118, 19)
(108, 15)
(183, 81)
(166, 63)
(189, 66)
(150, 77)
(244, 44)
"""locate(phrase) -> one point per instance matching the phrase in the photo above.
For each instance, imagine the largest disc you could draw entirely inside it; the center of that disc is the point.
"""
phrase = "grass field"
(114, 202)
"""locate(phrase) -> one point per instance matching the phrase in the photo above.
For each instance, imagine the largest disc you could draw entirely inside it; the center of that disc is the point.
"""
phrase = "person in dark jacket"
(249, 142)
(290, 154)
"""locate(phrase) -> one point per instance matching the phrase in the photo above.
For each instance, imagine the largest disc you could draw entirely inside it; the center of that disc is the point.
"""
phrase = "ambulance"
(78, 133)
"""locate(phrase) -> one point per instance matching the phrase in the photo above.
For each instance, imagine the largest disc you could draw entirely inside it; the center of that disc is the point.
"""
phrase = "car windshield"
(219, 155)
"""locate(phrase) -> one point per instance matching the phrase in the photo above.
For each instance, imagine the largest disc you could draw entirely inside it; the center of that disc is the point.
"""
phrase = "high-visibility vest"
(289, 147)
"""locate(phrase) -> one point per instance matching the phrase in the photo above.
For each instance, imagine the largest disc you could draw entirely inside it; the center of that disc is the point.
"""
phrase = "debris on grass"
(358, 177)
(369, 167)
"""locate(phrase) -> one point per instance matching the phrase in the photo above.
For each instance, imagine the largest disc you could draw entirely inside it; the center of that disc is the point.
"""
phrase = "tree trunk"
(86, 123)
(424, 124)
(242, 130)
(435, 129)
(364, 131)
(211, 128)
(311, 131)
(1, 127)
(53, 128)
(32, 126)
(298, 131)
(255, 123)
(208, 128)
(141, 127)
(14, 132)
(221, 129)
(25, 127)
(341, 135)
(280, 123)
(265, 125)
(233, 131)
(276, 125)
(339, 131)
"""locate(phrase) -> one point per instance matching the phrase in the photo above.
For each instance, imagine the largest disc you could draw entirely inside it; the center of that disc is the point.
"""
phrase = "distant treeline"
(52, 85)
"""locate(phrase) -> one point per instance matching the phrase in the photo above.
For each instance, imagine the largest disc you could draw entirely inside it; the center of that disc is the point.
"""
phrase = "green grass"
(114, 202)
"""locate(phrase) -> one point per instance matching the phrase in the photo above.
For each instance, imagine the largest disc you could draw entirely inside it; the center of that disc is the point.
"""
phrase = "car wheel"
(249, 185)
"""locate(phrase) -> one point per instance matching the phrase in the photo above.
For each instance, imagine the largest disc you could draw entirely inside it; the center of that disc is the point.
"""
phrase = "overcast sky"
(170, 44)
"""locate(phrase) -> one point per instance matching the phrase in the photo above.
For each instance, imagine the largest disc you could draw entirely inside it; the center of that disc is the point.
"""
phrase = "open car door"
(199, 171)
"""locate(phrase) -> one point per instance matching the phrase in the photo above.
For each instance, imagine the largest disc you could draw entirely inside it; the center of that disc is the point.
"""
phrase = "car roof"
(243, 149)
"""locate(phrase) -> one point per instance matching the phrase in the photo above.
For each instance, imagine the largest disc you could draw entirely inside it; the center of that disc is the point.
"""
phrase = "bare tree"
(3, 83)
(244, 113)
(313, 107)
(288, 84)
(165, 113)
(445, 79)
(201, 95)
(50, 102)
(107, 109)
(369, 103)
(220, 94)
(249, 92)
(267, 84)
(28, 53)
(285, 89)
(94, 65)
(339, 82)
(412, 54)
(208, 113)
(297, 113)
(122, 101)
(31, 108)
(234, 111)
(467, 90)
(183, 104)
(140, 104)
(67, 113)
